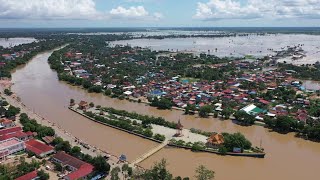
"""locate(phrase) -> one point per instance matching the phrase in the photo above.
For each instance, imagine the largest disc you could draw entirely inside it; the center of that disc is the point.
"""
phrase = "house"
(48, 139)
(38, 148)
(83, 105)
(252, 109)
(7, 57)
(302, 115)
(215, 140)
(6, 123)
(79, 169)
(15, 132)
(29, 176)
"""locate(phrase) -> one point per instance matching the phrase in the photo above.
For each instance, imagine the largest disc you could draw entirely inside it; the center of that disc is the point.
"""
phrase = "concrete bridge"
(150, 152)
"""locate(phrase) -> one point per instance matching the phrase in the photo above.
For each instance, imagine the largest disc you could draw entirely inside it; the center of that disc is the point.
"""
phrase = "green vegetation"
(159, 137)
(204, 111)
(8, 92)
(190, 109)
(163, 103)
(33, 126)
(303, 72)
(244, 118)
(236, 140)
(12, 111)
(202, 173)
(32, 49)
(144, 118)
(159, 171)
(12, 172)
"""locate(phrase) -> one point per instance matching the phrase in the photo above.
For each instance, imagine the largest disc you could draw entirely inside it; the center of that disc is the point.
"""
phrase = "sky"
(159, 13)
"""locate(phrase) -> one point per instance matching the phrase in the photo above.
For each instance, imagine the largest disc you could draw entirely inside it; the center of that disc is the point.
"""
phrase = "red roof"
(84, 170)
(18, 134)
(264, 101)
(37, 147)
(29, 176)
(10, 130)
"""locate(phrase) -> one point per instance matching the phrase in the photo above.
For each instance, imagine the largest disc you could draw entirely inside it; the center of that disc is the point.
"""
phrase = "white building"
(10, 146)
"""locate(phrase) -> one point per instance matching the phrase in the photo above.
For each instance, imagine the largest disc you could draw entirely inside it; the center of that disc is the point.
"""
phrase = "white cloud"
(253, 9)
(48, 9)
(69, 9)
(136, 13)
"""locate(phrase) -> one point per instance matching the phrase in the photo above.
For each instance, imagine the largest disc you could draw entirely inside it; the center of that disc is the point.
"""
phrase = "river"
(287, 157)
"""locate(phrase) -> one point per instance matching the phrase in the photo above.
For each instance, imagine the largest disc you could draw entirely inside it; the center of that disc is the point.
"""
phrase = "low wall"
(257, 155)
(115, 127)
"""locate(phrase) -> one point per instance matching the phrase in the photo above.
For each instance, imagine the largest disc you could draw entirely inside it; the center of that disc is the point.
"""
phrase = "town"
(250, 90)
(247, 90)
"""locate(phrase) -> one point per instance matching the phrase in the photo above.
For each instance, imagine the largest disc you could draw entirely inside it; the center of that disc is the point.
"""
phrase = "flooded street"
(287, 157)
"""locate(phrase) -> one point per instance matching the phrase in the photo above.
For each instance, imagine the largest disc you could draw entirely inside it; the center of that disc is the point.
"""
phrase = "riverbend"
(288, 157)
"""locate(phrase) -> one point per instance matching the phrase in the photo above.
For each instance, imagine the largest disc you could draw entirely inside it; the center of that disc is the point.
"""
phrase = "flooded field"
(15, 41)
(236, 46)
(287, 157)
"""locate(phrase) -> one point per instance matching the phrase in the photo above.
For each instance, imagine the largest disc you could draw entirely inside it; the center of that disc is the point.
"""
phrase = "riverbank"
(186, 136)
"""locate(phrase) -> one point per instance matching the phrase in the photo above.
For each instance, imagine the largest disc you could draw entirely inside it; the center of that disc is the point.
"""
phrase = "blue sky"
(159, 13)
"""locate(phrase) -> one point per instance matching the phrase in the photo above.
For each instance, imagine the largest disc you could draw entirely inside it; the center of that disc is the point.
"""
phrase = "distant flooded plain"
(287, 157)
(15, 41)
(238, 46)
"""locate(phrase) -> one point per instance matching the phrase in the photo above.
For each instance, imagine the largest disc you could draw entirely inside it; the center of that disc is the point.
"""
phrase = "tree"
(236, 140)
(190, 109)
(244, 118)
(197, 146)
(63, 146)
(57, 140)
(91, 104)
(284, 123)
(204, 111)
(226, 113)
(108, 92)
(127, 169)
(202, 173)
(157, 172)
(12, 111)
(115, 173)
(7, 92)
(75, 151)
(163, 103)
(223, 150)
(42, 175)
(100, 164)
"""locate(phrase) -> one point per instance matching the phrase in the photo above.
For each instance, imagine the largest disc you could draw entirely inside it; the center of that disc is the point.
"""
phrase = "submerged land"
(272, 88)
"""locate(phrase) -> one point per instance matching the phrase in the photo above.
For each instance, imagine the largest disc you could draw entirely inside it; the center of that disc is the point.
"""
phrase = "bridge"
(150, 153)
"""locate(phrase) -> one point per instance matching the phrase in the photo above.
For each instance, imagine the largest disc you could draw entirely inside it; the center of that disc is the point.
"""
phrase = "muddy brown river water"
(287, 157)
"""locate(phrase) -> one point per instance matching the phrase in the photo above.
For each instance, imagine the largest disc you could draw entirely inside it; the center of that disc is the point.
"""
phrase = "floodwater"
(287, 157)
(39, 89)
(311, 85)
(236, 46)
(15, 41)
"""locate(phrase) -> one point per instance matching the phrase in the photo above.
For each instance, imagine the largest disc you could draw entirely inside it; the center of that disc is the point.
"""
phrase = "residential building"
(10, 146)
(40, 149)
(79, 169)
(29, 176)
(215, 140)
